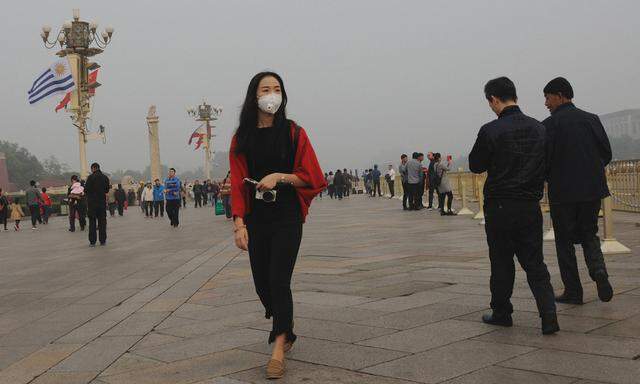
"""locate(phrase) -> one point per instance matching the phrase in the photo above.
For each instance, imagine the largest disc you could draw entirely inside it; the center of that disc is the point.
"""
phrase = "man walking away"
(121, 197)
(375, 177)
(443, 185)
(4, 210)
(390, 177)
(347, 182)
(511, 149)
(111, 201)
(338, 183)
(423, 181)
(431, 172)
(96, 189)
(158, 198)
(172, 195)
(578, 149)
(402, 168)
(33, 202)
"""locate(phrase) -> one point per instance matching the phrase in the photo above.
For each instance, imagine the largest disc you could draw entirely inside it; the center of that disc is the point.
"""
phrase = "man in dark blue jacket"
(511, 149)
(172, 196)
(578, 149)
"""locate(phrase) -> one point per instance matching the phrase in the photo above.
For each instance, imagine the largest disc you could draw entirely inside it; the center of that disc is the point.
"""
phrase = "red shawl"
(305, 166)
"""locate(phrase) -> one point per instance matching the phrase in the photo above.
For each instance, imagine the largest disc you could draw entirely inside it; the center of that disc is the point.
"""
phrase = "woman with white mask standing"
(274, 177)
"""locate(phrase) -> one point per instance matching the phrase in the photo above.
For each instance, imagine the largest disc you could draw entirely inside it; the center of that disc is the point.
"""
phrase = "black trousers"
(34, 210)
(442, 197)
(226, 202)
(120, 207)
(339, 191)
(97, 222)
(158, 207)
(112, 209)
(406, 195)
(77, 208)
(273, 250)
(577, 223)
(148, 208)
(173, 211)
(198, 200)
(415, 197)
(515, 227)
(4, 213)
(391, 189)
(376, 187)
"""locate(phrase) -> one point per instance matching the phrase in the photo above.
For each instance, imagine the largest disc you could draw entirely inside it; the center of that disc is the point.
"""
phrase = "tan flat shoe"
(288, 346)
(275, 369)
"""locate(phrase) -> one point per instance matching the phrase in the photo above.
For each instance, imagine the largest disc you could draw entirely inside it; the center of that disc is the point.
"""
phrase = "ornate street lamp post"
(75, 39)
(206, 113)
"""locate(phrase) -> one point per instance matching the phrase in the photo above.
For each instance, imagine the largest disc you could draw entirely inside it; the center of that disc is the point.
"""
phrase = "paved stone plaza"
(381, 296)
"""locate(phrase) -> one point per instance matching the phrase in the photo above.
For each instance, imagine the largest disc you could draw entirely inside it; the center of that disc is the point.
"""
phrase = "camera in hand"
(268, 196)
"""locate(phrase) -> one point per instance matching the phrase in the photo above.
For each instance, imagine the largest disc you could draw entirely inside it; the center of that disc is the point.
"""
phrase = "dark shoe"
(92, 245)
(550, 324)
(71, 230)
(451, 213)
(103, 243)
(443, 213)
(566, 298)
(82, 228)
(504, 321)
(605, 290)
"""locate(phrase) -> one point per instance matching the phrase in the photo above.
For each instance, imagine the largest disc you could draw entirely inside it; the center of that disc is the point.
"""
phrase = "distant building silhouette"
(622, 123)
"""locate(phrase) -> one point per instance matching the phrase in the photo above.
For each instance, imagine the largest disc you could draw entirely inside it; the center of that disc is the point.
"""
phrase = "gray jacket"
(402, 169)
(442, 169)
(414, 172)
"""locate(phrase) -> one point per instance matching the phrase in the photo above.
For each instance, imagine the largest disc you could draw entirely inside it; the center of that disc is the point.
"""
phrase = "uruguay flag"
(55, 80)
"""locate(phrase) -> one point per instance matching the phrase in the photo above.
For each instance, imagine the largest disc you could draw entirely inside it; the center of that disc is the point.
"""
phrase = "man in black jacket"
(578, 149)
(96, 189)
(511, 150)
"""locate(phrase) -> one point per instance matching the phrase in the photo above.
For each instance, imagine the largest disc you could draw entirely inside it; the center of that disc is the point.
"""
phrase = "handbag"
(219, 208)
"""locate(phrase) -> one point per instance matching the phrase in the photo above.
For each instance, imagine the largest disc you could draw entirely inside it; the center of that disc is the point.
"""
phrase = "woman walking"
(147, 200)
(225, 191)
(274, 177)
(444, 186)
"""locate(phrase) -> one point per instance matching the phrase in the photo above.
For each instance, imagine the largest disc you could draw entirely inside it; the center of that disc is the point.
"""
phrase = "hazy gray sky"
(367, 79)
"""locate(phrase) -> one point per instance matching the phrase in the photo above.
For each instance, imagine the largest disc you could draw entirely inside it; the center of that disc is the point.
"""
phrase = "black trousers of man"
(79, 209)
(198, 200)
(514, 227)
(391, 189)
(97, 213)
(120, 205)
(158, 207)
(577, 223)
(406, 196)
(376, 187)
(173, 211)
(34, 211)
(431, 191)
(112, 209)
(414, 196)
(273, 250)
(4, 213)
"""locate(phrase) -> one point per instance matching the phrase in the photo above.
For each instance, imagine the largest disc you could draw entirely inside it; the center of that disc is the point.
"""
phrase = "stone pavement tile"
(111, 296)
(635, 292)
(333, 330)
(342, 314)
(36, 363)
(163, 305)
(419, 299)
(532, 320)
(138, 324)
(383, 281)
(76, 291)
(175, 321)
(192, 370)
(221, 380)
(425, 275)
(226, 299)
(65, 378)
(500, 375)
(197, 329)
(402, 289)
(344, 289)
(625, 328)
(36, 333)
(418, 316)
(447, 362)
(619, 308)
(9, 355)
(453, 264)
(519, 304)
(129, 362)
(566, 341)
(333, 353)
(590, 367)
(203, 345)
(97, 355)
(429, 336)
(321, 298)
(154, 339)
(323, 271)
(87, 332)
(299, 372)
(205, 312)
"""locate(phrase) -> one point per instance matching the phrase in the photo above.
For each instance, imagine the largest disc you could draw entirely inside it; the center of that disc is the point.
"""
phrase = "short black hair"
(414, 155)
(437, 156)
(95, 165)
(32, 183)
(74, 177)
(173, 169)
(501, 88)
(403, 156)
(559, 86)
(44, 189)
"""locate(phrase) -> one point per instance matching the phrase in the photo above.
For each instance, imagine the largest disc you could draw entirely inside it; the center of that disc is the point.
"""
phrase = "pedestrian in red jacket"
(274, 177)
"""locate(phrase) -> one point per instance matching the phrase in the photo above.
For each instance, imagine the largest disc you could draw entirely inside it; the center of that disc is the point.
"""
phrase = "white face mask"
(270, 103)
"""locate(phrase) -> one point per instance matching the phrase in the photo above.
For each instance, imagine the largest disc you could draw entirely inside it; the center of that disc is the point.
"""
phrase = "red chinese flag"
(93, 77)
(63, 103)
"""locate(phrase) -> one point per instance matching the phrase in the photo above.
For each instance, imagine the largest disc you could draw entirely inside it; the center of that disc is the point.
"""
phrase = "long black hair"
(249, 113)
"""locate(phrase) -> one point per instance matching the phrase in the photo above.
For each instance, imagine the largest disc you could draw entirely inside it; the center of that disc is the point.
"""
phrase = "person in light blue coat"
(158, 198)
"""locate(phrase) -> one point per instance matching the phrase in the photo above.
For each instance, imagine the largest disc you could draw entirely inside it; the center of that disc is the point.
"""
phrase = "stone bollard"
(480, 214)
(463, 195)
(610, 245)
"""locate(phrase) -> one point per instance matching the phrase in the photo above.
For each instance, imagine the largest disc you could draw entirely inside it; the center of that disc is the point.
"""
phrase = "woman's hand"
(242, 239)
(268, 182)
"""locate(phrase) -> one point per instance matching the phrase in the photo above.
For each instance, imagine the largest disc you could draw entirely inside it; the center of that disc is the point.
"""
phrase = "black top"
(96, 189)
(272, 151)
(511, 149)
(578, 149)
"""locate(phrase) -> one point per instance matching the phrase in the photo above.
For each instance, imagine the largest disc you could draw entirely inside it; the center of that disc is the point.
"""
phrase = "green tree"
(54, 167)
(21, 164)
